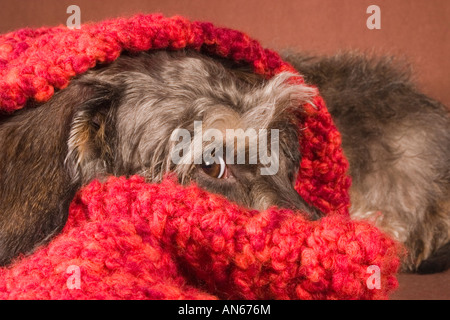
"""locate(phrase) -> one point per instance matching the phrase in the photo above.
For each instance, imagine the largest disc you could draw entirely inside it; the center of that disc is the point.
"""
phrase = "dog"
(397, 141)
(120, 119)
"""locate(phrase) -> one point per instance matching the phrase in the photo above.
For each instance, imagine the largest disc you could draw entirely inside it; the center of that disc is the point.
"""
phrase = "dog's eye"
(215, 170)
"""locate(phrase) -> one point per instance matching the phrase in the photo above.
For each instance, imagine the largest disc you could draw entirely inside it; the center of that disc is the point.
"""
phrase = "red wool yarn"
(135, 240)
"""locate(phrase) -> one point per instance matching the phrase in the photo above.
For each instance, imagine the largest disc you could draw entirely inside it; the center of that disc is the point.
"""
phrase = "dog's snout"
(283, 196)
(290, 199)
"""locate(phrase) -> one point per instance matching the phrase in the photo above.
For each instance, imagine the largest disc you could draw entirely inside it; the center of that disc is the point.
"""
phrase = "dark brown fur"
(397, 141)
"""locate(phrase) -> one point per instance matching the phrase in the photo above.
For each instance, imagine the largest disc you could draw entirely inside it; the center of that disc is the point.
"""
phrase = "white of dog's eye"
(215, 170)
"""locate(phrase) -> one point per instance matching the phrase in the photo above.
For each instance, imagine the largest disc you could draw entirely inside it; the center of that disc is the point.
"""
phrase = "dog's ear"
(91, 139)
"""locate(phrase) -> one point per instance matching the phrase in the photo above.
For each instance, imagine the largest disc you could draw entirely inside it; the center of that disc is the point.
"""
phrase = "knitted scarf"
(129, 239)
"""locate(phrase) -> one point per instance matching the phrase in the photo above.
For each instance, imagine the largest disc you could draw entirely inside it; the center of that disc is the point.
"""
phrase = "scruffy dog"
(397, 141)
(120, 119)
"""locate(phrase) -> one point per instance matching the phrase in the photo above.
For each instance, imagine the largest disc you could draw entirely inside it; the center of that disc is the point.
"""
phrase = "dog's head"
(225, 128)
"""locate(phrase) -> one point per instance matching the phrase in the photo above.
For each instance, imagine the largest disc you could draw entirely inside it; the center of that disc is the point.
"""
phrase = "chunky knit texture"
(135, 240)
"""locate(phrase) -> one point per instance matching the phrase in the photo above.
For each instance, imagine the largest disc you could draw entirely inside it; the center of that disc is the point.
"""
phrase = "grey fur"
(397, 141)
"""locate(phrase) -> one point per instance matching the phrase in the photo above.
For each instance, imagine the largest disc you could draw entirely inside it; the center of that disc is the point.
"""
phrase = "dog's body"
(119, 119)
(397, 141)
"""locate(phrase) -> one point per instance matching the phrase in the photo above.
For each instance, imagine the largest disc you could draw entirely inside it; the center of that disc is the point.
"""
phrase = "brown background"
(418, 30)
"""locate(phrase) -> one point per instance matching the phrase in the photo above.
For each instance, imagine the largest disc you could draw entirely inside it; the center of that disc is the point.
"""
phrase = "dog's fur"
(118, 120)
(397, 141)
